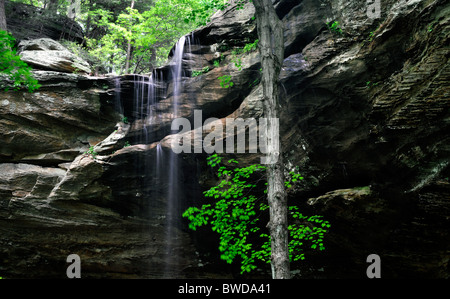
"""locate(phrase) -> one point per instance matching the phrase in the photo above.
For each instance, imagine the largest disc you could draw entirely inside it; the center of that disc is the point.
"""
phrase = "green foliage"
(251, 46)
(125, 120)
(91, 152)
(151, 28)
(240, 4)
(225, 81)
(334, 27)
(218, 61)
(236, 59)
(200, 72)
(151, 31)
(11, 65)
(237, 212)
(127, 144)
(200, 15)
(84, 53)
(237, 63)
(370, 84)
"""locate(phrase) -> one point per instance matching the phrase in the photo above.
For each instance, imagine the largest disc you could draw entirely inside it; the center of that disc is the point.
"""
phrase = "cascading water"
(117, 90)
(177, 68)
(173, 211)
(158, 175)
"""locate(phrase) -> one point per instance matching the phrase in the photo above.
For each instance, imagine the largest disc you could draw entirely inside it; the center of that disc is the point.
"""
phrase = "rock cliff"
(28, 22)
(364, 116)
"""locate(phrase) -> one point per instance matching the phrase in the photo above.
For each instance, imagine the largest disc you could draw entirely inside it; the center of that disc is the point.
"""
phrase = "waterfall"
(117, 101)
(173, 212)
(177, 68)
(158, 175)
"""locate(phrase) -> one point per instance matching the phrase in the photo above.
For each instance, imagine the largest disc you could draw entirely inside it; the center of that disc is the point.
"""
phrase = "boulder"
(47, 54)
(27, 181)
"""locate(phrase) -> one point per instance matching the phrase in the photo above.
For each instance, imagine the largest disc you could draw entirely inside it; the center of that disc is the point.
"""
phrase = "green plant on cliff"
(225, 81)
(334, 27)
(236, 59)
(196, 73)
(10, 64)
(91, 152)
(237, 210)
(251, 46)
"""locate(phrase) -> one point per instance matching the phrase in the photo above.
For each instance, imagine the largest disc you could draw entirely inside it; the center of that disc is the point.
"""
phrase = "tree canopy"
(132, 36)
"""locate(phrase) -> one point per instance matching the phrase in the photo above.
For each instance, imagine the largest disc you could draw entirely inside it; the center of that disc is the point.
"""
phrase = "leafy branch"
(11, 65)
(237, 211)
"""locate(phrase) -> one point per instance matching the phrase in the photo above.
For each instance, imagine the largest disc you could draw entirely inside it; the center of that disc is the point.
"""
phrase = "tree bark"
(271, 47)
(128, 58)
(2, 16)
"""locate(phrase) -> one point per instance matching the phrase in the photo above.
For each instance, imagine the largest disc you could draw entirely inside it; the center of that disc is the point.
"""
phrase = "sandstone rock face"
(47, 54)
(54, 125)
(364, 116)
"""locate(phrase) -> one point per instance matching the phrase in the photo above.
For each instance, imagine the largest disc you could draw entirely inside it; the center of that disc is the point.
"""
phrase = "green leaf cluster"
(237, 211)
(334, 27)
(251, 46)
(91, 152)
(10, 64)
(200, 15)
(225, 81)
(200, 72)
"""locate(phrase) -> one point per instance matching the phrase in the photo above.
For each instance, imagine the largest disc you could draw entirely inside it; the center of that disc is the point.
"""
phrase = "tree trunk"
(271, 47)
(87, 34)
(2, 16)
(128, 59)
